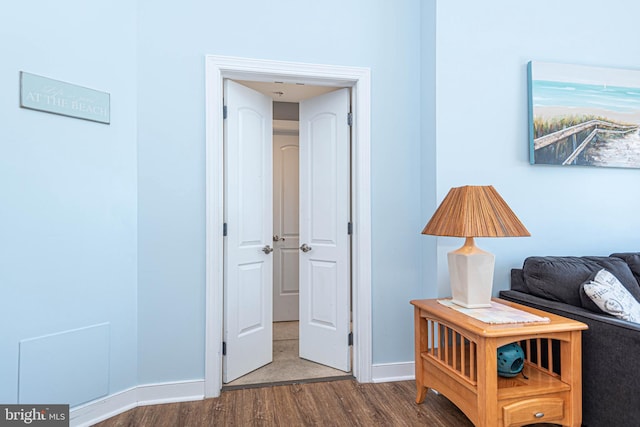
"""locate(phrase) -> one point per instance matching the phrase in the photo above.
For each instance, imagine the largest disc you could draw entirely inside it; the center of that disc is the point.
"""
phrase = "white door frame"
(218, 68)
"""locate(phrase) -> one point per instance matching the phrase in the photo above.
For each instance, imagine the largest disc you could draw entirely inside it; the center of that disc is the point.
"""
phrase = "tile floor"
(286, 365)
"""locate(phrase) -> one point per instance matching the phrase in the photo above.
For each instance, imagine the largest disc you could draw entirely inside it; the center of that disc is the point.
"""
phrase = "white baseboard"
(386, 372)
(103, 408)
(184, 391)
(147, 394)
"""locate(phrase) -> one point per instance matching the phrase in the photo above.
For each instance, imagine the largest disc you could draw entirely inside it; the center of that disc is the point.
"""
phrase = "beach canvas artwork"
(582, 115)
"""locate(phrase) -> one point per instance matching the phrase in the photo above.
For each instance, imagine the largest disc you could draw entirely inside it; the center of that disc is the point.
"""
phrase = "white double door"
(324, 215)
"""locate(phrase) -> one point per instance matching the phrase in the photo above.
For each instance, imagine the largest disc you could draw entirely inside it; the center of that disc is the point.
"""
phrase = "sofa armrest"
(610, 348)
(567, 310)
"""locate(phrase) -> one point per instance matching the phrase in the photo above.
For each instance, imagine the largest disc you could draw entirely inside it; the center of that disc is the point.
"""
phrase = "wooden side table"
(457, 355)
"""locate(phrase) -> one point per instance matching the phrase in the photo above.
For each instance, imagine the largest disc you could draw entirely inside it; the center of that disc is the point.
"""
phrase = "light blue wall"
(481, 122)
(174, 39)
(68, 257)
(448, 71)
(428, 165)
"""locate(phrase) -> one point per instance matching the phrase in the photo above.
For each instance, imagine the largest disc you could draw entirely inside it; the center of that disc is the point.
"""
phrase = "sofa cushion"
(517, 281)
(560, 278)
(606, 291)
(633, 261)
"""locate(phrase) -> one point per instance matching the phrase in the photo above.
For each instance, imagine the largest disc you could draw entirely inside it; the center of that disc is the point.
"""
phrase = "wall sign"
(66, 99)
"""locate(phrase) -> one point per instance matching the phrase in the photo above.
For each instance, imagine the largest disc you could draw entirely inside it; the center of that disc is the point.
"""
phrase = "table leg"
(421, 392)
(571, 367)
(421, 345)
(487, 391)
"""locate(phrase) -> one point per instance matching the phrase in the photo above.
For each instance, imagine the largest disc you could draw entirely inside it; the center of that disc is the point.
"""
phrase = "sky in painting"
(585, 74)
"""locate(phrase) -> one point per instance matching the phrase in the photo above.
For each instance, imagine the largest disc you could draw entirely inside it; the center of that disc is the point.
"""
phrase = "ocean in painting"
(552, 100)
(598, 97)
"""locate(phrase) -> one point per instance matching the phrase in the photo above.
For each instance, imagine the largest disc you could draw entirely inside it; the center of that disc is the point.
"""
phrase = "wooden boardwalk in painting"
(594, 126)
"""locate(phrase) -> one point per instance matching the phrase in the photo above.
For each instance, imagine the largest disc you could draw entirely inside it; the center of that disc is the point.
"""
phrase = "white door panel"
(286, 201)
(324, 216)
(248, 269)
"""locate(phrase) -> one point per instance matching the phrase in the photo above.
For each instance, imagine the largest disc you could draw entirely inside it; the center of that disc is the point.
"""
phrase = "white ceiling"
(287, 92)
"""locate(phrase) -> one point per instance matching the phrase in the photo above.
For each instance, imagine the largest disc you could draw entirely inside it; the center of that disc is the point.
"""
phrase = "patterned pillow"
(606, 291)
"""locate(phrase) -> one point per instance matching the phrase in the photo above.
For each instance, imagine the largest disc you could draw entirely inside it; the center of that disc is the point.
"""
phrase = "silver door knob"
(267, 249)
(305, 247)
(277, 238)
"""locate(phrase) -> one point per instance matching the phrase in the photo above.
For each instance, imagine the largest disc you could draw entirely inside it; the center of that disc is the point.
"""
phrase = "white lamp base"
(471, 275)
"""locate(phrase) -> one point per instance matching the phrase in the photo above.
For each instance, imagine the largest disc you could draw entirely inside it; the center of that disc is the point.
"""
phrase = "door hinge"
(224, 112)
(349, 228)
(224, 229)
(224, 348)
(350, 338)
(350, 119)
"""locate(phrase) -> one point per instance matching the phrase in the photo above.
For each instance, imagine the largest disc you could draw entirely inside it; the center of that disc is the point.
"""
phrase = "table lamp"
(473, 211)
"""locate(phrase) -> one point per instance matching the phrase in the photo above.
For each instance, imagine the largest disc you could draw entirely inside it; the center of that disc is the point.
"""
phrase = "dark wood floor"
(335, 403)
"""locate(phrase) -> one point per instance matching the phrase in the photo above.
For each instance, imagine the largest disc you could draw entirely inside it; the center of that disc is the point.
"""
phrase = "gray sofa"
(610, 347)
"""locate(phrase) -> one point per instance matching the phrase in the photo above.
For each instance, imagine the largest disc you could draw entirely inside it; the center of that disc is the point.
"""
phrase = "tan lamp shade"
(474, 211)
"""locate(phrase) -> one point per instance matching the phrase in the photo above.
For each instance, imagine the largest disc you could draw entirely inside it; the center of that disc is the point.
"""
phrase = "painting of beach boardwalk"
(581, 115)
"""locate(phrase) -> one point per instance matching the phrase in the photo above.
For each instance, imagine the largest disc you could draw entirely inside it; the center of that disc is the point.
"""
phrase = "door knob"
(267, 249)
(277, 238)
(305, 247)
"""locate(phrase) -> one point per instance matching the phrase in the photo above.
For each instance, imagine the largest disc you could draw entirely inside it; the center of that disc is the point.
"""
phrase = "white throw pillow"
(606, 291)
